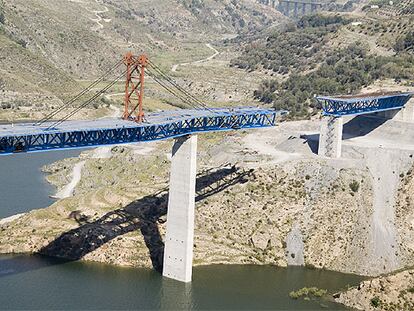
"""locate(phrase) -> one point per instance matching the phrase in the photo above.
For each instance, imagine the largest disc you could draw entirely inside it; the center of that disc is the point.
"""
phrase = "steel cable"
(77, 109)
(173, 92)
(177, 86)
(80, 94)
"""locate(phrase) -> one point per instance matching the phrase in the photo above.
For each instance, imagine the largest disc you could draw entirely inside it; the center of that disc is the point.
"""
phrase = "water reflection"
(53, 284)
(176, 295)
(10, 264)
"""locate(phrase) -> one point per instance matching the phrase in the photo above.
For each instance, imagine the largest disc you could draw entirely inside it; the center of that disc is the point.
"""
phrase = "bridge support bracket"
(179, 238)
(330, 138)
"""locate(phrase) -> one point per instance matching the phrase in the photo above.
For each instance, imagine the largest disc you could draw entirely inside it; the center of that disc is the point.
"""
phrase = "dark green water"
(22, 184)
(39, 283)
(33, 282)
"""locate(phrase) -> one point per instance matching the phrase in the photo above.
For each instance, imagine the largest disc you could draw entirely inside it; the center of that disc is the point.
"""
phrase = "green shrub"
(2, 18)
(354, 186)
(301, 47)
(307, 292)
(375, 302)
(405, 43)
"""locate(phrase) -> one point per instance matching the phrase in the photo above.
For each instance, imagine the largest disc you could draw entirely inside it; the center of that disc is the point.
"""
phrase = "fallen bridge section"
(25, 137)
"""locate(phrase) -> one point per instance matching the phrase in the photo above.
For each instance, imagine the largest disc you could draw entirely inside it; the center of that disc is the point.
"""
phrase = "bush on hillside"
(292, 48)
(345, 71)
(319, 20)
(405, 43)
(2, 18)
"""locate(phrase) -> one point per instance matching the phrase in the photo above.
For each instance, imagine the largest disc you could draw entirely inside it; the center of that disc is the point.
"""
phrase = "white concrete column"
(178, 251)
(330, 138)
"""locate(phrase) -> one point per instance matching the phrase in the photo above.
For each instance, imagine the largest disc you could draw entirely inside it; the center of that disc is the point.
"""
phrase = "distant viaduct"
(294, 8)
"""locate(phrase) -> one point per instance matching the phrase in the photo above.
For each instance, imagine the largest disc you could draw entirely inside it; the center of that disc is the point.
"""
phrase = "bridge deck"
(362, 104)
(28, 137)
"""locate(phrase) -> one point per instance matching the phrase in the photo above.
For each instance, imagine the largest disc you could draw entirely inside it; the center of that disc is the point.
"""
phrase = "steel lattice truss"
(342, 106)
(80, 134)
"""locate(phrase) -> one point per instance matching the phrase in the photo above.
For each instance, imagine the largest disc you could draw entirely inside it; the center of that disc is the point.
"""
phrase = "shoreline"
(11, 218)
(68, 190)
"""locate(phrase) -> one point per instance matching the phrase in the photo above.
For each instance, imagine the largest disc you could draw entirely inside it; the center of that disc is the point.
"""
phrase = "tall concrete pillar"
(330, 138)
(178, 251)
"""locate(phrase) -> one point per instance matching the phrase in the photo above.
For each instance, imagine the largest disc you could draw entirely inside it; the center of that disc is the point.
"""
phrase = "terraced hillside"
(68, 40)
(390, 8)
(330, 53)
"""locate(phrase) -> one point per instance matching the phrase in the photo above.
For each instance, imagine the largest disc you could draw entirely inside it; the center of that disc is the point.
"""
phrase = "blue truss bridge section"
(362, 104)
(28, 137)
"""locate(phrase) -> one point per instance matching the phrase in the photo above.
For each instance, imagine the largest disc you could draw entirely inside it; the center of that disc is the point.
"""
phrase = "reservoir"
(35, 282)
(22, 183)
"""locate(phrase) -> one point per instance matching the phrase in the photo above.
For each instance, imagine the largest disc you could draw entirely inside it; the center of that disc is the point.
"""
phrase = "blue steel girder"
(53, 139)
(341, 106)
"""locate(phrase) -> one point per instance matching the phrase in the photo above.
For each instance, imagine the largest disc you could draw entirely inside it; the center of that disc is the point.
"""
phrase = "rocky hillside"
(266, 212)
(278, 204)
(51, 50)
(329, 54)
(84, 37)
(390, 292)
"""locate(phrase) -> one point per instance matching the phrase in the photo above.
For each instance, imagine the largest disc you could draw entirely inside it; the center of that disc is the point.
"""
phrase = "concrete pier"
(178, 251)
(330, 138)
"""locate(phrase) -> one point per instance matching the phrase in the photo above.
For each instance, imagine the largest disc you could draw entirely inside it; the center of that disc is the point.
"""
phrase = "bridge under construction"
(29, 137)
(59, 131)
(382, 104)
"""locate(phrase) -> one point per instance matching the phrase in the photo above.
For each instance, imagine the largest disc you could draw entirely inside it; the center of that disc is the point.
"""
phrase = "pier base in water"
(178, 251)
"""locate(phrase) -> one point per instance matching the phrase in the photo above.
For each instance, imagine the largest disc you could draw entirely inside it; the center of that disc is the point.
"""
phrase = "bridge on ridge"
(295, 8)
(386, 105)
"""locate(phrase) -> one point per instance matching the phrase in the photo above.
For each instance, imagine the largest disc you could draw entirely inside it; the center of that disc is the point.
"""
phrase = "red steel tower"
(134, 86)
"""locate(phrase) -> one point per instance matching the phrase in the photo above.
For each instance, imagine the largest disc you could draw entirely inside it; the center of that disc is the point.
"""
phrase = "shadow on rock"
(144, 215)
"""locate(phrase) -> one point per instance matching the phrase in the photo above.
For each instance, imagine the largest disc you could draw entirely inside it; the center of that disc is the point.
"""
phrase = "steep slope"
(329, 54)
(83, 37)
(258, 208)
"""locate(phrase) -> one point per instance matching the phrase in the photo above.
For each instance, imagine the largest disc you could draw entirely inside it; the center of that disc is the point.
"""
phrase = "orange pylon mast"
(135, 75)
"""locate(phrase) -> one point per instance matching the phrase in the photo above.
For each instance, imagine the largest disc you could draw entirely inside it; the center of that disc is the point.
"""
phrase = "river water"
(22, 184)
(35, 282)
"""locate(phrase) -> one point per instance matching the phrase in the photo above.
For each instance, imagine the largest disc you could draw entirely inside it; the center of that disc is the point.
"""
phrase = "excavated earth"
(263, 197)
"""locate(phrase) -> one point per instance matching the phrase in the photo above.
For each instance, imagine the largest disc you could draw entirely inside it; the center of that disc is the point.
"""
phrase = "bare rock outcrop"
(391, 292)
